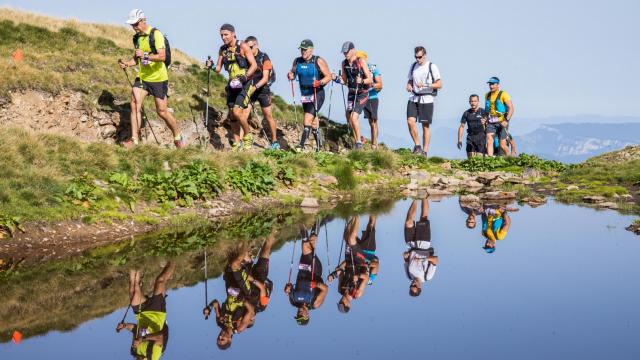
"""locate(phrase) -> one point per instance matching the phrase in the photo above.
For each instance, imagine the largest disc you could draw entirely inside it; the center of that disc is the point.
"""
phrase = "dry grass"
(120, 35)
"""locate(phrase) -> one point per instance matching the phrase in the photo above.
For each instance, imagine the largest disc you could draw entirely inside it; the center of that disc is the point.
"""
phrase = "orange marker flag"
(18, 55)
(17, 336)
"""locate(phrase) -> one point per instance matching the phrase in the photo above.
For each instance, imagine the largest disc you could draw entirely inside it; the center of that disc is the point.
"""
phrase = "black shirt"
(472, 119)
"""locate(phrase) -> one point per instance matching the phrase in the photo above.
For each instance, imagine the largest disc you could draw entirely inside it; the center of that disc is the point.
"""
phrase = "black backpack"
(272, 74)
(152, 45)
(434, 91)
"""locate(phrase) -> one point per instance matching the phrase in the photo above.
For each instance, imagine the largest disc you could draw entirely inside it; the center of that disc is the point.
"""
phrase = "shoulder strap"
(431, 73)
(413, 67)
(152, 41)
(136, 38)
(499, 97)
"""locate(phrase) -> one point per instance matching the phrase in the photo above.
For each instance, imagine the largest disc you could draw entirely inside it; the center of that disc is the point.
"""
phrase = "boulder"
(449, 181)
(607, 205)
(498, 195)
(309, 202)
(572, 188)
(497, 182)
(325, 180)
(594, 199)
(487, 177)
(471, 184)
(418, 175)
(469, 198)
(438, 192)
(413, 185)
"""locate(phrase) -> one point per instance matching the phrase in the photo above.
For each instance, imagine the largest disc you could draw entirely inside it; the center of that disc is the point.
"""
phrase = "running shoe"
(179, 143)
(417, 150)
(247, 141)
(275, 146)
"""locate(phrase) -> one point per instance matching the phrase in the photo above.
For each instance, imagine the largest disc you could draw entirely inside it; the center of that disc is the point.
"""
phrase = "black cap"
(348, 45)
(305, 44)
(227, 27)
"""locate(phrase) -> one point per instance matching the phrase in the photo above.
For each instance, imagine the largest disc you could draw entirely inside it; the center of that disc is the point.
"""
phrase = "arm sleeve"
(463, 119)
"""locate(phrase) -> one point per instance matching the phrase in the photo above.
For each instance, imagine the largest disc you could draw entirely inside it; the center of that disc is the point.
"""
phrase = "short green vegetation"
(512, 164)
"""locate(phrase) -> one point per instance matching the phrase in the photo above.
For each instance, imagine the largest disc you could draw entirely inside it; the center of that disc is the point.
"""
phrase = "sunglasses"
(419, 57)
(136, 24)
(252, 46)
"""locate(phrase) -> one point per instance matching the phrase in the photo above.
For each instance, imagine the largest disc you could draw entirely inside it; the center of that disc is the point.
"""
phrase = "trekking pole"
(326, 239)
(144, 114)
(344, 102)
(264, 133)
(293, 96)
(291, 265)
(206, 289)
(206, 111)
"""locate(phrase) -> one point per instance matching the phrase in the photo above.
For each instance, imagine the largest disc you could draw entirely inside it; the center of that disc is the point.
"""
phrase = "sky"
(555, 58)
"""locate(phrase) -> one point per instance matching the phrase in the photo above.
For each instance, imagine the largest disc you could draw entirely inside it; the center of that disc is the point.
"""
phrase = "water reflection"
(420, 261)
(496, 220)
(150, 333)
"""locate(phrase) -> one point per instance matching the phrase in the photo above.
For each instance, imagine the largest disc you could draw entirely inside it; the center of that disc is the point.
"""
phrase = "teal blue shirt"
(373, 93)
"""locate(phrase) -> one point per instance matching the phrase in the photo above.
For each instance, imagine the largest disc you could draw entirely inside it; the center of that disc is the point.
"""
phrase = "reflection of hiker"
(151, 333)
(420, 261)
(500, 108)
(495, 224)
(309, 291)
(353, 273)
(475, 118)
(471, 209)
(153, 79)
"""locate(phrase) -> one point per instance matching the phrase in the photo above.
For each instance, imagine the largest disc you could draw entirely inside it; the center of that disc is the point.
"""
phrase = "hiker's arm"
(344, 75)
(433, 259)
(159, 57)
(321, 296)
(460, 132)
(509, 104)
(291, 75)
(502, 232)
(324, 69)
(377, 83)
(128, 326)
(368, 79)
(410, 80)
(253, 65)
(265, 78)
(246, 319)
(219, 62)
(363, 284)
(437, 85)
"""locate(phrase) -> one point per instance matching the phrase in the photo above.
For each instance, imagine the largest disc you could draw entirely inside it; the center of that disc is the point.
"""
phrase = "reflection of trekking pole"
(206, 292)
(326, 239)
(144, 114)
(206, 111)
(291, 265)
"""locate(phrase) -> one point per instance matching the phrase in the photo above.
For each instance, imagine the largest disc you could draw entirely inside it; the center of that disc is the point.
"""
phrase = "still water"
(563, 283)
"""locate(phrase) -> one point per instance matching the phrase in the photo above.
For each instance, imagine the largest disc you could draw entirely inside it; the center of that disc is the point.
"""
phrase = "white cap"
(134, 16)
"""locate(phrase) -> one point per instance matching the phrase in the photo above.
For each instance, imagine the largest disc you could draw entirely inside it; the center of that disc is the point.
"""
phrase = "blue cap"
(489, 250)
(494, 80)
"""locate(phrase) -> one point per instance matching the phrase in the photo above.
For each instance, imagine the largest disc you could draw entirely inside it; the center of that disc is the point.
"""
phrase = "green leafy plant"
(9, 225)
(194, 181)
(254, 178)
(82, 191)
(479, 163)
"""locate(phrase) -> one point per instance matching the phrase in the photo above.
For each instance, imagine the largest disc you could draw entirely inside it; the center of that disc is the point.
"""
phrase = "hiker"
(357, 77)
(353, 273)
(500, 108)
(423, 84)
(313, 74)
(495, 225)
(371, 108)
(309, 291)
(237, 59)
(476, 118)
(151, 333)
(471, 209)
(262, 80)
(151, 54)
(420, 261)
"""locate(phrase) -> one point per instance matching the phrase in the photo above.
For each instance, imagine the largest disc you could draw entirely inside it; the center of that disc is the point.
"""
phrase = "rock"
(531, 173)
(497, 182)
(487, 177)
(627, 196)
(469, 198)
(406, 192)
(593, 199)
(419, 175)
(616, 196)
(108, 132)
(325, 180)
(309, 202)
(446, 166)
(105, 121)
(438, 192)
(449, 181)
(471, 184)
(535, 201)
(498, 195)
(413, 185)
(607, 205)
(634, 228)
(572, 188)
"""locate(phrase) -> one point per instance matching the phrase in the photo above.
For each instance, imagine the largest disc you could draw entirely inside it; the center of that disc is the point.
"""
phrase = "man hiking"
(357, 77)
(420, 261)
(476, 118)
(371, 108)
(151, 333)
(309, 291)
(153, 79)
(423, 83)
(313, 74)
(495, 225)
(262, 80)
(237, 58)
(500, 108)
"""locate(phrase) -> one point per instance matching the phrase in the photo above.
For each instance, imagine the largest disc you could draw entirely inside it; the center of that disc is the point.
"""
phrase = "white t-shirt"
(420, 76)
(419, 267)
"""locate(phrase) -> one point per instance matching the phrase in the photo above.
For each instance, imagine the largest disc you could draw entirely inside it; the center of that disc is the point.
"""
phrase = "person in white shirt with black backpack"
(423, 83)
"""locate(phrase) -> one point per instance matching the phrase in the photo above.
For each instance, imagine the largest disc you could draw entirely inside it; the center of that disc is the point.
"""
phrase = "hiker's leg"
(424, 209)
(372, 222)
(137, 97)
(426, 136)
(242, 115)
(413, 130)
(411, 214)
(490, 143)
(163, 112)
(160, 285)
(266, 247)
(503, 146)
(268, 116)
(355, 125)
(135, 293)
(351, 231)
(373, 124)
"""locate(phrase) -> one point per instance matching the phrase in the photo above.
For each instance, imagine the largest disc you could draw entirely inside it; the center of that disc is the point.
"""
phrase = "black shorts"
(368, 240)
(260, 270)
(422, 112)
(359, 257)
(476, 143)
(420, 231)
(496, 128)
(154, 303)
(158, 90)
(316, 266)
(360, 101)
(262, 96)
(239, 97)
(310, 107)
(371, 109)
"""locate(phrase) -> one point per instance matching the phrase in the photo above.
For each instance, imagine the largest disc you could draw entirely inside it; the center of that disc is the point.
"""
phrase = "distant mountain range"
(566, 142)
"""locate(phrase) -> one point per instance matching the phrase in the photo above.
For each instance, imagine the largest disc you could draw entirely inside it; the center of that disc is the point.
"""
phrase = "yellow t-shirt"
(504, 98)
(149, 354)
(156, 71)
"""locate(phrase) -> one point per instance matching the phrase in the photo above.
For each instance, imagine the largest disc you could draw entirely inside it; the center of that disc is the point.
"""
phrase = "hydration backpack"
(434, 92)
(152, 45)
(272, 74)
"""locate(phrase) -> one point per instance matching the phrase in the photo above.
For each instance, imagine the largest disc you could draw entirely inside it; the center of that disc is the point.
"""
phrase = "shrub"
(254, 178)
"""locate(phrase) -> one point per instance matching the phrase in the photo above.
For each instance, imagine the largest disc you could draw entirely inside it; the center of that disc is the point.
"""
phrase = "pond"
(560, 284)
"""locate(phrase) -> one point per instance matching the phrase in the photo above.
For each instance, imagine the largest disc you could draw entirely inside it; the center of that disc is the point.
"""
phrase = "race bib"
(494, 119)
(305, 267)
(143, 332)
(235, 84)
(233, 291)
(307, 99)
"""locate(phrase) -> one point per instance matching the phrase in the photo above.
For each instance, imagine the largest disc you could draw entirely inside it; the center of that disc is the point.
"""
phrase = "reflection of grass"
(590, 188)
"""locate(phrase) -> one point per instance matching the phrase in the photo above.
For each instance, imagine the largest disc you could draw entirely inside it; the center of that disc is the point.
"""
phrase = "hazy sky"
(555, 58)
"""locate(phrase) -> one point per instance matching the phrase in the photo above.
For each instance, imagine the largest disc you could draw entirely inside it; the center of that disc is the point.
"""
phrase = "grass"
(68, 55)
